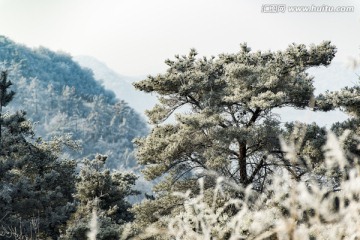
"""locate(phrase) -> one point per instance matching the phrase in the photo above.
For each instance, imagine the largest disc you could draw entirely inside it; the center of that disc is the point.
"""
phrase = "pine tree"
(5, 98)
(229, 129)
(98, 189)
(348, 101)
(33, 99)
(36, 185)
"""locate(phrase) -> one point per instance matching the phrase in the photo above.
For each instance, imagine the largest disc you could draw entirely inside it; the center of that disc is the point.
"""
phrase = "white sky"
(134, 37)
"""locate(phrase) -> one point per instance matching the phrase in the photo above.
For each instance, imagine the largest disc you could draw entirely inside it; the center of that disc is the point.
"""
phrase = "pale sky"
(134, 37)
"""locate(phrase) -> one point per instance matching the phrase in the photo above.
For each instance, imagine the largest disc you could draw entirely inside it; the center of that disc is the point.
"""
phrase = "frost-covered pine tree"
(348, 101)
(36, 186)
(5, 97)
(105, 192)
(228, 128)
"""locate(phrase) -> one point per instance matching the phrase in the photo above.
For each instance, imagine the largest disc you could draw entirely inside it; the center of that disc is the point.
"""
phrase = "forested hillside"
(64, 99)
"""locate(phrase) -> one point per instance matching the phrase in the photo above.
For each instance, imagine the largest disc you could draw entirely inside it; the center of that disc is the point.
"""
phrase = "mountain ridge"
(64, 98)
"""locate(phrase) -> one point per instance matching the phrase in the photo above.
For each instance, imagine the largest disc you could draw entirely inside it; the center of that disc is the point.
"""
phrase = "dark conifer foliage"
(5, 96)
(36, 186)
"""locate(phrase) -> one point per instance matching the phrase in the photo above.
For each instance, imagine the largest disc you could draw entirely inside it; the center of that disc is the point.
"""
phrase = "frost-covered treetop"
(251, 81)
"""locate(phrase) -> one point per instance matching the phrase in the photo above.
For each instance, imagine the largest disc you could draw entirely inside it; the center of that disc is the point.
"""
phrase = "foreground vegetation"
(324, 204)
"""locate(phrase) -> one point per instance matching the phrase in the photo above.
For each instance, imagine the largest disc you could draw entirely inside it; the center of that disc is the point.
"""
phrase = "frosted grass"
(324, 204)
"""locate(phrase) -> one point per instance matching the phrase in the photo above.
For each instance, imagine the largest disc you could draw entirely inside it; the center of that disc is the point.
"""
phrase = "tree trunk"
(242, 163)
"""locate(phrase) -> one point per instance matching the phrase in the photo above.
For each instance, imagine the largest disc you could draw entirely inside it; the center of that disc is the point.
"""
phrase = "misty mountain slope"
(120, 84)
(63, 98)
(55, 67)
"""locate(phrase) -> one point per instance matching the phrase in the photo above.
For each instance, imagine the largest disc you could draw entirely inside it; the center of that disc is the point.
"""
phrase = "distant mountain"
(120, 84)
(64, 99)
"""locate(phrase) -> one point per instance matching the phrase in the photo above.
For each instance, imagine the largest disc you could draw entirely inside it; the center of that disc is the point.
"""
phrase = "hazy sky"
(135, 37)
